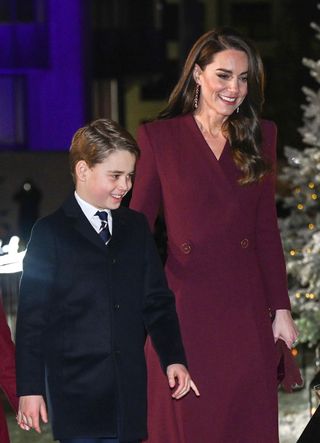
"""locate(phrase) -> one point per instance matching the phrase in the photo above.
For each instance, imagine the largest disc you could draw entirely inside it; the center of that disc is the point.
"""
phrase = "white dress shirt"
(90, 211)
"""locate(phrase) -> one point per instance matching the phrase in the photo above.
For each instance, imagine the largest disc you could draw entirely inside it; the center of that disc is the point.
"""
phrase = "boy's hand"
(179, 373)
(30, 408)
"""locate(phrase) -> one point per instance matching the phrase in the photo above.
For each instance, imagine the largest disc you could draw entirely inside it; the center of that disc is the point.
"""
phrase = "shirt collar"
(88, 210)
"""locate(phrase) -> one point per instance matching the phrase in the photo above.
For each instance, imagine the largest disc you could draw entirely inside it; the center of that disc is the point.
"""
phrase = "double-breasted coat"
(83, 315)
(226, 267)
(7, 373)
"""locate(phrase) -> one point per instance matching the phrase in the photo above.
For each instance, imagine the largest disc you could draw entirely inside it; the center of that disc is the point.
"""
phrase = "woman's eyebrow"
(230, 72)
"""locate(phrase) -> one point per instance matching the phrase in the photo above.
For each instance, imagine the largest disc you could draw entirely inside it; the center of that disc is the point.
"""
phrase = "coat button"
(244, 243)
(116, 306)
(185, 248)
(114, 261)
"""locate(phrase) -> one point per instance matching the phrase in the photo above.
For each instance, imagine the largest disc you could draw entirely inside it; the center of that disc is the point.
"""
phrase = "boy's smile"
(105, 184)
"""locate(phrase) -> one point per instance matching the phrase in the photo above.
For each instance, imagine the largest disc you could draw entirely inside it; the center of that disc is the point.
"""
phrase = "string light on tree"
(301, 229)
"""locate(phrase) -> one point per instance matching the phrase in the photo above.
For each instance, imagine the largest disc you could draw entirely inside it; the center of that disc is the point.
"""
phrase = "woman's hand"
(284, 327)
(178, 373)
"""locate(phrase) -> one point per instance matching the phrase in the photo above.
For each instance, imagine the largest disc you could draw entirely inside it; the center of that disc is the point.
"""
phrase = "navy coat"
(83, 315)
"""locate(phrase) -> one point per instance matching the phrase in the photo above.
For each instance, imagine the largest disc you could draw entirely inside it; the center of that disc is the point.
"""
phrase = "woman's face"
(223, 82)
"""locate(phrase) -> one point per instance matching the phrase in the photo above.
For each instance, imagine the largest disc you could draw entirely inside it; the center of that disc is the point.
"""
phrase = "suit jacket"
(7, 373)
(83, 315)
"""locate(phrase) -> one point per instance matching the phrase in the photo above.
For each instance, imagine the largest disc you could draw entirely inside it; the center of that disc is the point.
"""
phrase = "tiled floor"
(293, 419)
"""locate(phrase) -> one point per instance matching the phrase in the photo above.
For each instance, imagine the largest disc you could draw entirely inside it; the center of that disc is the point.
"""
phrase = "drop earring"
(196, 97)
(238, 109)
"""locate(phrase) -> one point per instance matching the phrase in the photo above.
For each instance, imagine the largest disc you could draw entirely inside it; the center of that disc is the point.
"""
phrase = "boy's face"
(105, 184)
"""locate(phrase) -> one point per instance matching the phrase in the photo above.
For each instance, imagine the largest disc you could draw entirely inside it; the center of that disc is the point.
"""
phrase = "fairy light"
(311, 185)
(11, 259)
(294, 352)
(310, 295)
(293, 252)
(314, 196)
(300, 206)
(310, 226)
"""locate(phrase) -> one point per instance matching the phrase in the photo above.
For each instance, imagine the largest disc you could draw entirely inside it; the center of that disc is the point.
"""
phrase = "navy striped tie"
(104, 229)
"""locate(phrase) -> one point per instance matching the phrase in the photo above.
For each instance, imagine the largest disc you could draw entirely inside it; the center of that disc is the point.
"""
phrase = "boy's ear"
(81, 170)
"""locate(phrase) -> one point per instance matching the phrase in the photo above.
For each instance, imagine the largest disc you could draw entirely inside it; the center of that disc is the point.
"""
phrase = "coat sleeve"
(159, 310)
(269, 246)
(146, 196)
(7, 362)
(36, 287)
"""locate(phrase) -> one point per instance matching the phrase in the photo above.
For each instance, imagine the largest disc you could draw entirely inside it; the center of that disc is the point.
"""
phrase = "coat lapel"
(80, 222)
(82, 225)
(120, 228)
(217, 166)
(223, 172)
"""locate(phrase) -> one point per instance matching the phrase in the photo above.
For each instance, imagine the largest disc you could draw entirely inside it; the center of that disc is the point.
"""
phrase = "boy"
(91, 289)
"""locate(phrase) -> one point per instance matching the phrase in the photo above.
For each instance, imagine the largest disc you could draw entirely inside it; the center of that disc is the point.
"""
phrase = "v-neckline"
(198, 130)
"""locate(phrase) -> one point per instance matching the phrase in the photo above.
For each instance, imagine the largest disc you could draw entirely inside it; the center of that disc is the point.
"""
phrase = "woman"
(7, 373)
(209, 161)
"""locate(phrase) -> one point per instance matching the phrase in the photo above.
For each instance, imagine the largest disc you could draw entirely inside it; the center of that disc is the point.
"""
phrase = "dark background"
(63, 63)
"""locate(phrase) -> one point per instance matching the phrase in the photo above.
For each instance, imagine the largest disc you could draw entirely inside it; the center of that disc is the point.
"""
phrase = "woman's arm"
(269, 248)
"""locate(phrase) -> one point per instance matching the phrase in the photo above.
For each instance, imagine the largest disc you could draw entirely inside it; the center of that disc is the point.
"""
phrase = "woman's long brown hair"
(243, 128)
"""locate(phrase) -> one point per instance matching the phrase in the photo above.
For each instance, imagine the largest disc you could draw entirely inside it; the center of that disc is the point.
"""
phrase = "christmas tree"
(301, 229)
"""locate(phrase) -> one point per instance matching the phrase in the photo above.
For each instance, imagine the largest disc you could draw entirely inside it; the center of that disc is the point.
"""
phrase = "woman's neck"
(209, 123)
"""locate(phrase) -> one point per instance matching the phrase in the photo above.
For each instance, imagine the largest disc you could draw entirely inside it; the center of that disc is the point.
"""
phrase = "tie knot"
(102, 215)
(104, 229)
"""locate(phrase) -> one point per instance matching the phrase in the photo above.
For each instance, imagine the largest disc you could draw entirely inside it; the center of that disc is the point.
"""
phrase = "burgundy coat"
(226, 267)
(7, 373)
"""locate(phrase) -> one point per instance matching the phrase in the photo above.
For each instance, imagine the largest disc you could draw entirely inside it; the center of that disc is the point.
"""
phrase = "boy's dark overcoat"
(83, 314)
